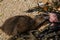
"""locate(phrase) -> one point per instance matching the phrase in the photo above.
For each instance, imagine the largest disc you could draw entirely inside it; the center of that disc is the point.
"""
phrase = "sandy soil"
(9, 8)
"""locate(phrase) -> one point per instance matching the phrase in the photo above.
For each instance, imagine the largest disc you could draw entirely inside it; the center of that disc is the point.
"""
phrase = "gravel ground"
(9, 8)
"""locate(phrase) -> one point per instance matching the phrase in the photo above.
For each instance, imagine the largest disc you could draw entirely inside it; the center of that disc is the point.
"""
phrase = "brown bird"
(17, 24)
(21, 24)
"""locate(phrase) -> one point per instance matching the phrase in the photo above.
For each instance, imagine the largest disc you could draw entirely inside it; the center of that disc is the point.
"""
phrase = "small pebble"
(1, 0)
(1, 14)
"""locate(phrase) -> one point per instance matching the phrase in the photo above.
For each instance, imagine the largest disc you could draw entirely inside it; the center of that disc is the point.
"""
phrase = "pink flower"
(53, 18)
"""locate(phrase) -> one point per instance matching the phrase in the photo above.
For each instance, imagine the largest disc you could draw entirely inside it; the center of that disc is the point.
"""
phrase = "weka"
(17, 24)
(21, 24)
